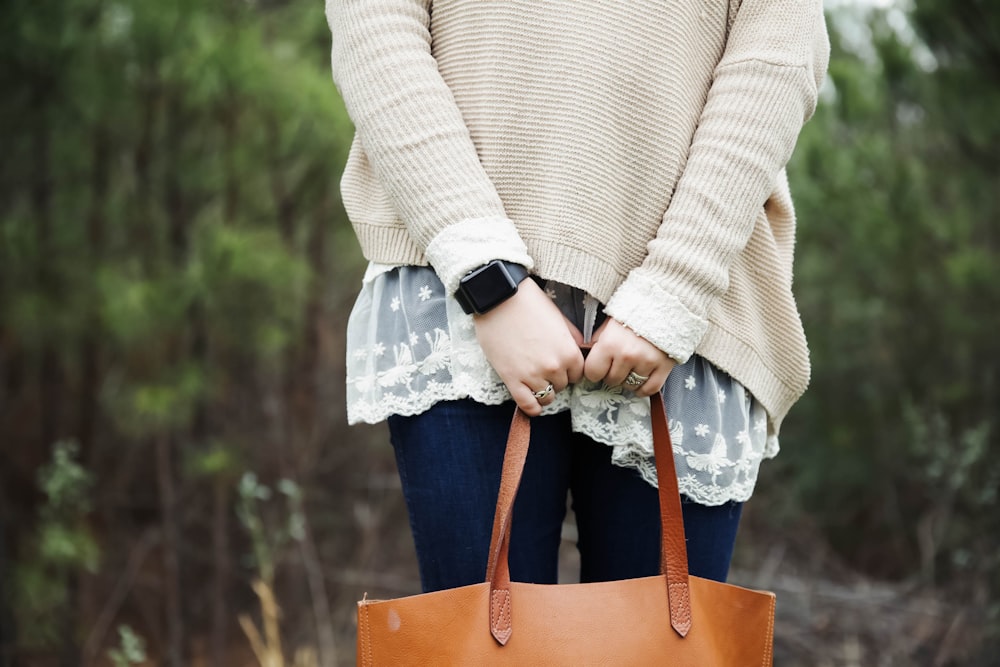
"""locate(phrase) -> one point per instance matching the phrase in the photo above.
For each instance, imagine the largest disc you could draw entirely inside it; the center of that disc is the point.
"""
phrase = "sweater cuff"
(467, 245)
(656, 315)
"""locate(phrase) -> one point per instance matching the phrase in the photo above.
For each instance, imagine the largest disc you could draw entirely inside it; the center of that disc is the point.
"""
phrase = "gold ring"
(633, 379)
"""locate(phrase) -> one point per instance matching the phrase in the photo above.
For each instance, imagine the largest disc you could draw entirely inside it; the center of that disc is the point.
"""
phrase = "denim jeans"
(450, 458)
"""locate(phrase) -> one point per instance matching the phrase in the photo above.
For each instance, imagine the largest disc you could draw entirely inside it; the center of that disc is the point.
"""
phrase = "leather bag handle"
(673, 552)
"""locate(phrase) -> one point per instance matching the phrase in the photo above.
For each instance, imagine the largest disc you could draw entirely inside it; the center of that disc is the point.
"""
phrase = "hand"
(531, 345)
(617, 351)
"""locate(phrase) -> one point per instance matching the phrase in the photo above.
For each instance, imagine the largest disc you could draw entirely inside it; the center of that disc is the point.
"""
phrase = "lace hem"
(410, 347)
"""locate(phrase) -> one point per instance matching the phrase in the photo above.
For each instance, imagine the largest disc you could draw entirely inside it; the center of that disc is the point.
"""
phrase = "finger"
(656, 380)
(574, 366)
(596, 366)
(575, 370)
(525, 398)
(618, 371)
(546, 386)
(573, 331)
(598, 331)
(547, 400)
(548, 391)
(559, 381)
(643, 371)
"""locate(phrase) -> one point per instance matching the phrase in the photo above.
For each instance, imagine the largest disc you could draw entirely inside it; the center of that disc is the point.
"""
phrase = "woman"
(629, 159)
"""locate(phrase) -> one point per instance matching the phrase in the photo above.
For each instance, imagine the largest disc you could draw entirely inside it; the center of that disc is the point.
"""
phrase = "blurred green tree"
(167, 204)
(895, 449)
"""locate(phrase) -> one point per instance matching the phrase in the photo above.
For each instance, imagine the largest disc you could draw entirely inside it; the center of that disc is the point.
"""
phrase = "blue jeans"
(450, 458)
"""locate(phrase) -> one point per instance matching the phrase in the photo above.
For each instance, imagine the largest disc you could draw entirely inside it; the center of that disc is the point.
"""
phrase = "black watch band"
(487, 287)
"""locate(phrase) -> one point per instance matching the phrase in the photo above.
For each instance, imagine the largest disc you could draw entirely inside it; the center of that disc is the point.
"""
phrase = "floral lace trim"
(434, 364)
(609, 417)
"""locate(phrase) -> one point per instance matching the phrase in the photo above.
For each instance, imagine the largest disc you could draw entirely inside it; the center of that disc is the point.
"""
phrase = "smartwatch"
(488, 286)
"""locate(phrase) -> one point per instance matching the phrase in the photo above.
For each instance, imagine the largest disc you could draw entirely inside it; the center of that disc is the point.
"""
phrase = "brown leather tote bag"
(670, 619)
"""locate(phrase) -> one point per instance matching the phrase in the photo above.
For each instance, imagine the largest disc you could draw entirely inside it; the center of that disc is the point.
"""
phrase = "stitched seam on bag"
(501, 606)
(368, 637)
(769, 638)
(677, 603)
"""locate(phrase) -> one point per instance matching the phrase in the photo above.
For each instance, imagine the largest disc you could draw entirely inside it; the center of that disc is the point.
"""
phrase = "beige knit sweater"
(631, 148)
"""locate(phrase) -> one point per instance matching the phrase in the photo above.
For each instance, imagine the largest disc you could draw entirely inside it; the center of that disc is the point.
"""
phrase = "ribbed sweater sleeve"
(764, 89)
(414, 136)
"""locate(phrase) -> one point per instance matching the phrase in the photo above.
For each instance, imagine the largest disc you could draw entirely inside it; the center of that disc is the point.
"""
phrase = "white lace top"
(409, 346)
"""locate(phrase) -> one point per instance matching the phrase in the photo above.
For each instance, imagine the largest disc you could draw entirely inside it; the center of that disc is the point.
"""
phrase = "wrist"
(483, 289)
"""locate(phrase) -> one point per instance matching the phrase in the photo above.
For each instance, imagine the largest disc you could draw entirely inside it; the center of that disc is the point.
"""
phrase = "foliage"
(61, 544)
(269, 534)
(169, 246)
(895, 448)
(131, 651)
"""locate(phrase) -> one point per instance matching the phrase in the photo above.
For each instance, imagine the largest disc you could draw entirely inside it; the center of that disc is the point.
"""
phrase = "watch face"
(488, 286)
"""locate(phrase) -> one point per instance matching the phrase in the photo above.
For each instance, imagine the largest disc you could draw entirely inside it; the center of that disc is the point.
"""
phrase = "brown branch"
(98, 633)
(171, 545)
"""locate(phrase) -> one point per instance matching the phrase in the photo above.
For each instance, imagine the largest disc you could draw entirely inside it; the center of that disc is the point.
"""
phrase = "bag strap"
(673, 545)
(673, 552)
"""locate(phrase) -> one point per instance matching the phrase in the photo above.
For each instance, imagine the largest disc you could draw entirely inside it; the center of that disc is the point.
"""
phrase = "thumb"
(573, 331)
(599, 330)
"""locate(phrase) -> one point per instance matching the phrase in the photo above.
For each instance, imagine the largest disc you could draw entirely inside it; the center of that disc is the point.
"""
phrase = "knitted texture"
(634, 150)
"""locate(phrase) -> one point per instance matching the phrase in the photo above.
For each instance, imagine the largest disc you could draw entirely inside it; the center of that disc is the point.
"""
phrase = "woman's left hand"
(617, 351)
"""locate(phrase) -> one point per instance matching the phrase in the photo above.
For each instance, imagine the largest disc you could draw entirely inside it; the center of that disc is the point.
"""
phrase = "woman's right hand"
(531, 344)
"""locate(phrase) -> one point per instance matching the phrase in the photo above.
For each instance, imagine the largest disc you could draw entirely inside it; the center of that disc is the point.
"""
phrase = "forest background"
(178, 482)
